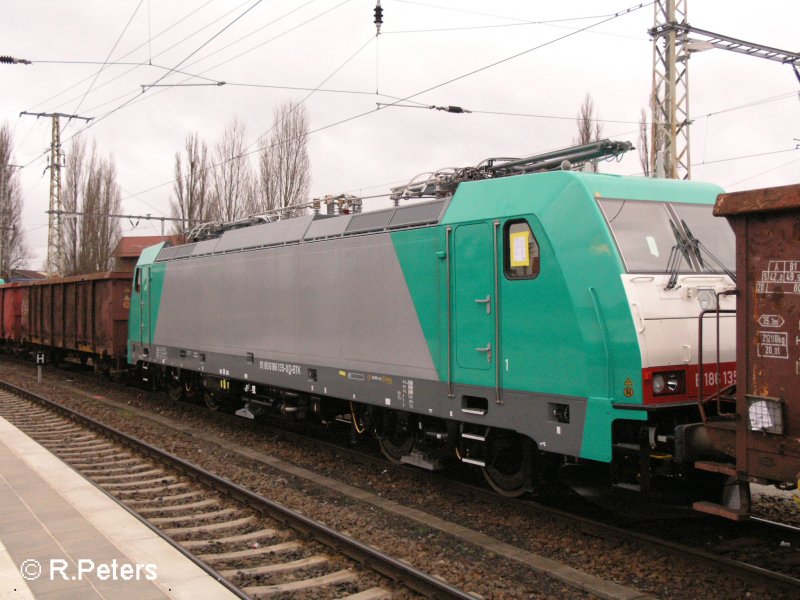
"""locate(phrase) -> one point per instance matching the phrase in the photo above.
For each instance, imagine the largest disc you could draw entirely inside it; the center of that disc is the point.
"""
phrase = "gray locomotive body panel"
(339, 303)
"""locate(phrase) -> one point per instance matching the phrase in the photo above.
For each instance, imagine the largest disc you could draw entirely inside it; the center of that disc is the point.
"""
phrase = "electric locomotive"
(535, 325)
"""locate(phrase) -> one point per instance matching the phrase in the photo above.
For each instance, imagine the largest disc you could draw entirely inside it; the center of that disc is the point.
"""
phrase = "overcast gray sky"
(521, 106)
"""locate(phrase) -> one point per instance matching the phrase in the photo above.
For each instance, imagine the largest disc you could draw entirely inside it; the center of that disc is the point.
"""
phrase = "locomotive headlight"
(668, 383)
(707, 299)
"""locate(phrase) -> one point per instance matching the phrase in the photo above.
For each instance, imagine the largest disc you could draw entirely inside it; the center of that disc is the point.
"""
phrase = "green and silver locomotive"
(530, 325)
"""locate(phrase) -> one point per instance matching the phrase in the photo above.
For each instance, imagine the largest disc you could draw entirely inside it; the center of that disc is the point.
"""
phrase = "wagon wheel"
(505, 463)
(57, 359)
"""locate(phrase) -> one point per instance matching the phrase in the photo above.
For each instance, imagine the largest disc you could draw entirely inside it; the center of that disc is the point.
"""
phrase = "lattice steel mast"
(669, 144)
(669, 139)
(55, 237)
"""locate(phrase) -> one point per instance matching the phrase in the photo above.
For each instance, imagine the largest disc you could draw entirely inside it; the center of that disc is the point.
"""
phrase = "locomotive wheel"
(505, 463)
(212, 402)
(396, 446)
(175, 387)
(158, 380)
(397, 436)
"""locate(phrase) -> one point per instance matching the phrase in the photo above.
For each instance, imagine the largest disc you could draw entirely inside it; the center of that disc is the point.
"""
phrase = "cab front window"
(644, 233)
(659, 237)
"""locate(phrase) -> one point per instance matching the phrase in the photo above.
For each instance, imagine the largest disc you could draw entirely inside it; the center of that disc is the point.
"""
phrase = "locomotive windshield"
(662, 237)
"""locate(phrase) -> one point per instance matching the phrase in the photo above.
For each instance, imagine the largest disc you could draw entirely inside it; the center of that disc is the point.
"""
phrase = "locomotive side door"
(473, 299)
(143, 288)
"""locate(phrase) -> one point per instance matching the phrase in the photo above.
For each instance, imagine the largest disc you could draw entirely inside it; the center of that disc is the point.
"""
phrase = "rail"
(384, 564)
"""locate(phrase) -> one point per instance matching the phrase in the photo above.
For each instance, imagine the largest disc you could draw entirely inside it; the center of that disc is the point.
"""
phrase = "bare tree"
(232, 187)
(284, 166)
(589, 128)
(192, 202)
(72, 198)
(108, 232)
(13, 252)
(91, 188)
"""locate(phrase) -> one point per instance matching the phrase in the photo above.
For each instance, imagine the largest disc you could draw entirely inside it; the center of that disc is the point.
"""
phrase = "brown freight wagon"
(11, 306)
(758, 428)
(84, 316)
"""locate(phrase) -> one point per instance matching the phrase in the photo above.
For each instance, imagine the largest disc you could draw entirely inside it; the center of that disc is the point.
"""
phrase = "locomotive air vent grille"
(373, 221)
(416, 214)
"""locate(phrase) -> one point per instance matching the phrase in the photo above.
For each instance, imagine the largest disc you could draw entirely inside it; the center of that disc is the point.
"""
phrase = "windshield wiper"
(680, 251)
(700, 248)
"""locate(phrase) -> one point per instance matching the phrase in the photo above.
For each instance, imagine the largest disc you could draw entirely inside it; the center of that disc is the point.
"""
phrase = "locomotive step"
(626, 448)
(716, 467)
(720, 511)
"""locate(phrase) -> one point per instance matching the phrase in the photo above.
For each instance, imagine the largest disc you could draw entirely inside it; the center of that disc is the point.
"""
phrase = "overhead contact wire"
(110, 52)
(465, 75)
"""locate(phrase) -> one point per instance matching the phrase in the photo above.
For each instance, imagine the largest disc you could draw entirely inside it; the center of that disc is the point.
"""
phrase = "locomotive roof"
(312, 228)
(485, 199)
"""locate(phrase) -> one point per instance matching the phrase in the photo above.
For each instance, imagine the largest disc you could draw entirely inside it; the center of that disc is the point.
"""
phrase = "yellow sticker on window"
(519, 250)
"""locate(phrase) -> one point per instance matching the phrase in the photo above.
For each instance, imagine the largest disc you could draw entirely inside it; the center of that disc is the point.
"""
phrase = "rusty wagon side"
(84, 316)
(759, 430)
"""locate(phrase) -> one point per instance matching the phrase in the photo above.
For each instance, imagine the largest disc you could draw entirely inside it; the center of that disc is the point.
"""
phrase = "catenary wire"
(570, 34)
(127, 102)
(776, 168)
(164, 51)
(140, 98)
(721, 160)
(313, 91)
(483, 14)
(463, 76)
(110, 52)
(175, 24)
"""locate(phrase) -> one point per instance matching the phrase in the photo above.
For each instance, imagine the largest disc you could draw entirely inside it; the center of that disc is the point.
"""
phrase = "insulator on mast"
(378, 18)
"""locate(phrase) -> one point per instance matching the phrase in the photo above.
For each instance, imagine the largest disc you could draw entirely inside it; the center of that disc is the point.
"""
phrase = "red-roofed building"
(25, 275)
(129, 248)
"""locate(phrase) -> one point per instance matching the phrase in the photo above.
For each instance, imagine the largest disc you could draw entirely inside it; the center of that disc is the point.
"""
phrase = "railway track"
(256, 547)
(726, 556)
(744, 553)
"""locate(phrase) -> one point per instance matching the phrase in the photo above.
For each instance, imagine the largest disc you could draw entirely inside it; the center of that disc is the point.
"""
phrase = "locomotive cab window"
(521, 251)
(138, 280)
(658, 237)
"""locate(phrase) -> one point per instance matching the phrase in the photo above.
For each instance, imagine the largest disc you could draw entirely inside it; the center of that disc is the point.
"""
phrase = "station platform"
(62, 538)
